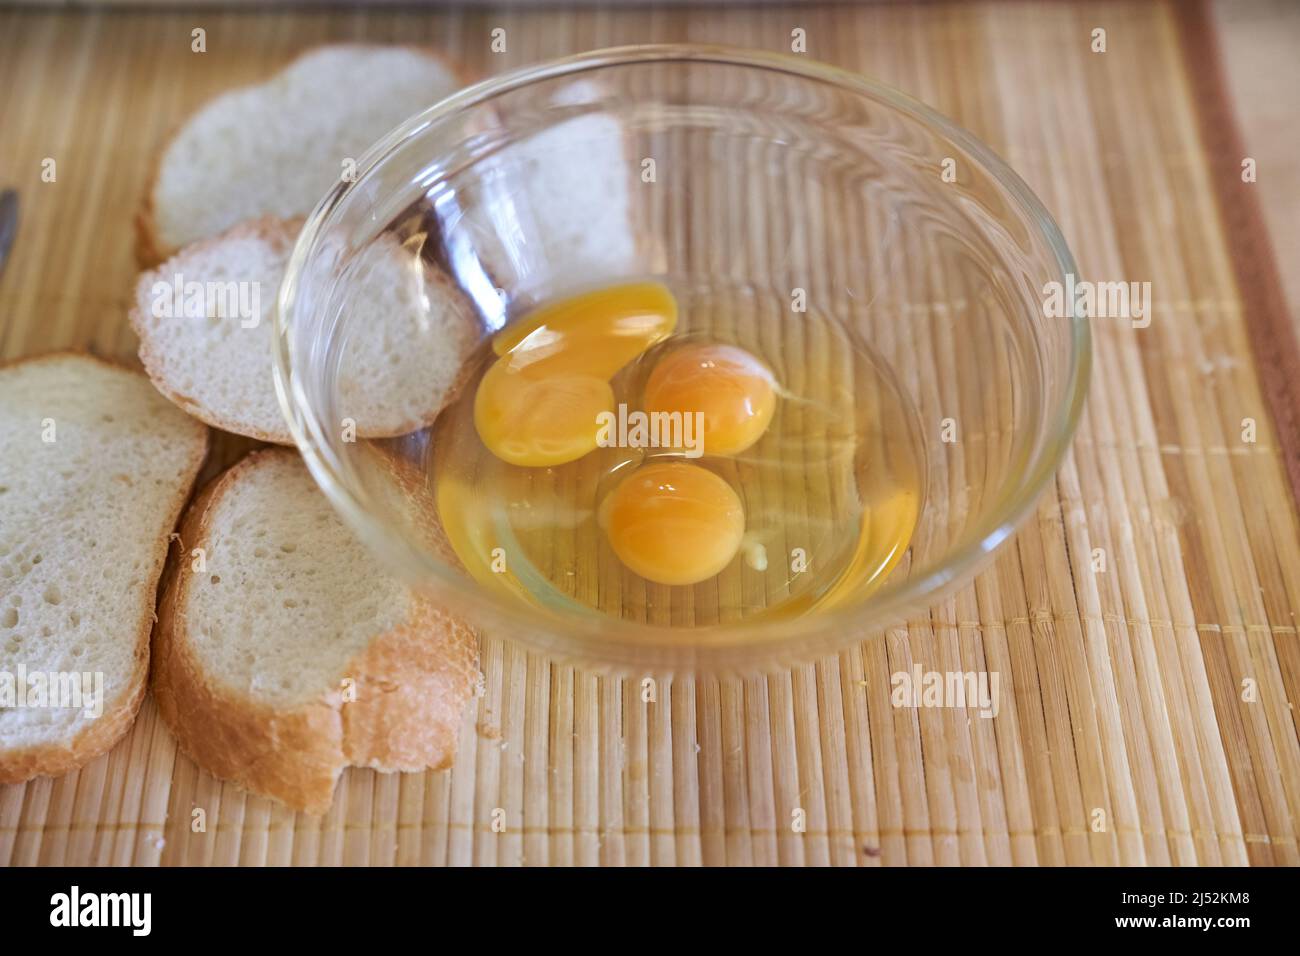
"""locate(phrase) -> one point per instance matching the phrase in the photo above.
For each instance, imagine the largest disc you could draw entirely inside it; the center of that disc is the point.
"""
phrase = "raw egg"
(539, 402)
(734, 390)
(539, 420)
(674, 522)
(886, 529)
(595, 333)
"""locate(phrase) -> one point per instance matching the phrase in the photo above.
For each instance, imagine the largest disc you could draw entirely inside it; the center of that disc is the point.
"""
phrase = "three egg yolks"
(540, 403)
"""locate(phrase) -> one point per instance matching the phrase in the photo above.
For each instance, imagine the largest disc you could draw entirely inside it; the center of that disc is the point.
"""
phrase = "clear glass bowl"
(742, 173)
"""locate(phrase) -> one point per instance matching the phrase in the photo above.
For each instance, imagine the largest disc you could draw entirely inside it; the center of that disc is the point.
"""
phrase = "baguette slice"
(292, 654)
(210, 353)
(575, 180)
(94, 471)
(555, 210)
(277, 147)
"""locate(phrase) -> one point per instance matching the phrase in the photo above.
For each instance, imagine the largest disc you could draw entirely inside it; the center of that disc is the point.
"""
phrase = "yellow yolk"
(886, 531)
(595, 333)
(732, 388)
(539, 421)
(539, 402)
(674, 523)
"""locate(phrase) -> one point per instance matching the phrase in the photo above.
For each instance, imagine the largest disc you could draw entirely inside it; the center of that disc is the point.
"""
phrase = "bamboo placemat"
(1146, 711)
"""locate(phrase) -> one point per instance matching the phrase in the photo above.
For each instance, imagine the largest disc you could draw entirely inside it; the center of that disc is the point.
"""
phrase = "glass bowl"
(760, 183)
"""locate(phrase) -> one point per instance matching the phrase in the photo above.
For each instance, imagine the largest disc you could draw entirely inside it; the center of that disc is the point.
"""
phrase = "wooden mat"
(1146, 712)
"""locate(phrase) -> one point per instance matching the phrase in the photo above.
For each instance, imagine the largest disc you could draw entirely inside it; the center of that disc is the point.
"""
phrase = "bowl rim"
(615, 641)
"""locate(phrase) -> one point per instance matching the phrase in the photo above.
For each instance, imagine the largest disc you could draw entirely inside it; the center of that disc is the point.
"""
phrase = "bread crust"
(21, 765)
(150, 249)
(148, 245)
(411, 687)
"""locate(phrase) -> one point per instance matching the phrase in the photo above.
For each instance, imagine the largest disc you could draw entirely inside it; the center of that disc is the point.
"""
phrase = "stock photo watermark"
(1080, 298)
(971, 690)
(182, 298)
(21, 689)
(679, 431)
(75, 908)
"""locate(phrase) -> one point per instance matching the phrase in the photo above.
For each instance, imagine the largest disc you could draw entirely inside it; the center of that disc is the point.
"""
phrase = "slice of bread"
(94, 471)
(208, 349)
(554, 210)
(291, 653)
(577, 180)
(276, 148)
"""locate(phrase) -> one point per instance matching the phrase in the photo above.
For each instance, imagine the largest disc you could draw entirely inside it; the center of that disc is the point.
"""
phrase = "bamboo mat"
(1146, 713)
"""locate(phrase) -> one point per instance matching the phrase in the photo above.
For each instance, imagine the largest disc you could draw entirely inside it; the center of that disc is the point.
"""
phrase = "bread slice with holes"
(276, 148)
(287, 653)
(95, 468)
(554, 209)
(205, 324)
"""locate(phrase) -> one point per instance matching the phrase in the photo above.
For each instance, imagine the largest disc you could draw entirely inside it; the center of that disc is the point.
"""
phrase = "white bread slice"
(254, 653)
(555, 209)
(277, 147)
(411, 333)
(85, 521)
(578, 178)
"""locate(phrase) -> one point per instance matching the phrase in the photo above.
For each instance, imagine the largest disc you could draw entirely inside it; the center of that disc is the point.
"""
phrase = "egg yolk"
(595, 333)
(539, 421)
(674, 522)
(886, 530)
(539, 403)
(734, 390)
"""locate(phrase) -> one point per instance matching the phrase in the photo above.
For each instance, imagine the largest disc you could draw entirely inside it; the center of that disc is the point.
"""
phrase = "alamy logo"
(75, 908)
(198, 300)
(969, 689)
(679, 431)
(1098, 300)
(75, 690)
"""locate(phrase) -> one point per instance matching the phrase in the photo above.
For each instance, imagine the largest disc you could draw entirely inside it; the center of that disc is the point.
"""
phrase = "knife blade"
(8, 224)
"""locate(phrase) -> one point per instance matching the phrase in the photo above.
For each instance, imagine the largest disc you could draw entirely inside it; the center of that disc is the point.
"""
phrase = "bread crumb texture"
(294, 653)
(94, 471)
